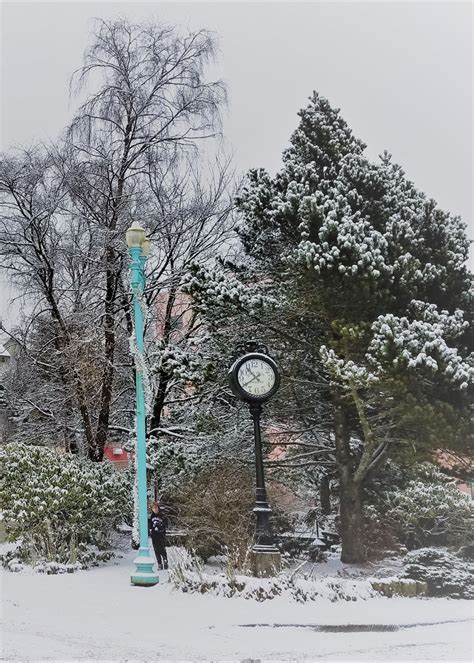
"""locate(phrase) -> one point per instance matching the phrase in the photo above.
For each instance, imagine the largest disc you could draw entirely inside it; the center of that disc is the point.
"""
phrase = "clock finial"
(250, 346)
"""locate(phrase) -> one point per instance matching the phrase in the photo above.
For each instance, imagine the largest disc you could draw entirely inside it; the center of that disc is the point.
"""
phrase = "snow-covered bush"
(59, 506)
(430, 510)
(88, 556)
(216, 510)
(191, 577)
(445, 574)
(421, 507)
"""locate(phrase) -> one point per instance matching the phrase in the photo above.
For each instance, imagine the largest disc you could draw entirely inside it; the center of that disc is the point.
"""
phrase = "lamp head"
(135, 236)
(146, 247)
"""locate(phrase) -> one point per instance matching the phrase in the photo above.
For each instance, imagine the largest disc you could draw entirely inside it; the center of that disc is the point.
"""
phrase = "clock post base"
(265, 563)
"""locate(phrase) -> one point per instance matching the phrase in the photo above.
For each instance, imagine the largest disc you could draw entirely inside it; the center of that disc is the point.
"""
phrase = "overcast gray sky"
(401, 72)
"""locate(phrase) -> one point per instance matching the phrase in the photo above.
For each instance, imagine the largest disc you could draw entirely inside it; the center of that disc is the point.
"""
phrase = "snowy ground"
(98, 615)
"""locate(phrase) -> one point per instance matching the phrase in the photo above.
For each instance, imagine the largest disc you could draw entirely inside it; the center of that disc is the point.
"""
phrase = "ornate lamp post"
(139, 247)
(254, 378)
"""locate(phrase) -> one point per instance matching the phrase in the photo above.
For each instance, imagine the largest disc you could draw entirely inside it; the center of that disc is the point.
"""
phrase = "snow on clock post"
(254, 378)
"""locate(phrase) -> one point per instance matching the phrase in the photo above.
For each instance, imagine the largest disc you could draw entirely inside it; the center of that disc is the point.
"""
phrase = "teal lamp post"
(139, 247)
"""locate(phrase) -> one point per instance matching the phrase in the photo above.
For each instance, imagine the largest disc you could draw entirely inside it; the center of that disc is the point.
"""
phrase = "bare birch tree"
(65, 209)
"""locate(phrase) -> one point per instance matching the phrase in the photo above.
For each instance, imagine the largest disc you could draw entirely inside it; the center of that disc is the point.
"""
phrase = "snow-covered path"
(97, 614)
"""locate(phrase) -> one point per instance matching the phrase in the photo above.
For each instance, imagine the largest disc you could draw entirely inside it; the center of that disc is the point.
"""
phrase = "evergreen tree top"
(350, 224)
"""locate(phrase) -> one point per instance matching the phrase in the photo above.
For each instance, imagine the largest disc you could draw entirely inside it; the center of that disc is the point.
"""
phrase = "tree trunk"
(325, 495)
(61, 340)
(352, 522)
(111, 286)
(109, 352)
(351, 511)
(159, 403)
(164, 378)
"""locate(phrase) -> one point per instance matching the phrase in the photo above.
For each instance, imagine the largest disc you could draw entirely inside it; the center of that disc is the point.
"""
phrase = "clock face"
(256, 377)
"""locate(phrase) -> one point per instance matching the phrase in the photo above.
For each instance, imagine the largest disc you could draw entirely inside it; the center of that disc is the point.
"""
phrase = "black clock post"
(264, 541)
(254, 378)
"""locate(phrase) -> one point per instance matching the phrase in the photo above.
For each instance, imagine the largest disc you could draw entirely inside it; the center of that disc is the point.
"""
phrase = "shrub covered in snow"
(445, 574)
(429, 512)
(423, 507)
(215, 508)
(88, 556)
(59, 505)
(190, 576)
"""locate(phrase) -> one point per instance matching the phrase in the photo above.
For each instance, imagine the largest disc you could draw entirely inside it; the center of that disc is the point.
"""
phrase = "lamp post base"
(144, 575)
(265, 561)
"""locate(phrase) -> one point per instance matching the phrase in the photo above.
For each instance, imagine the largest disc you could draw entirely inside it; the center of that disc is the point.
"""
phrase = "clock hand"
(249, 381)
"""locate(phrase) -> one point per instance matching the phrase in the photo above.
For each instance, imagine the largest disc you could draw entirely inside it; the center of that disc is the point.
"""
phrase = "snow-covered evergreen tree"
(369, 301)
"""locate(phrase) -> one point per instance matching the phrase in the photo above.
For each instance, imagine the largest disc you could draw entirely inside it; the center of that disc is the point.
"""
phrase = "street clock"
(254, 377)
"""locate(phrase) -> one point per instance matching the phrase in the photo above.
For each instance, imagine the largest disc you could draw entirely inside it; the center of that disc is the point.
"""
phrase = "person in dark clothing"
(157, 524)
